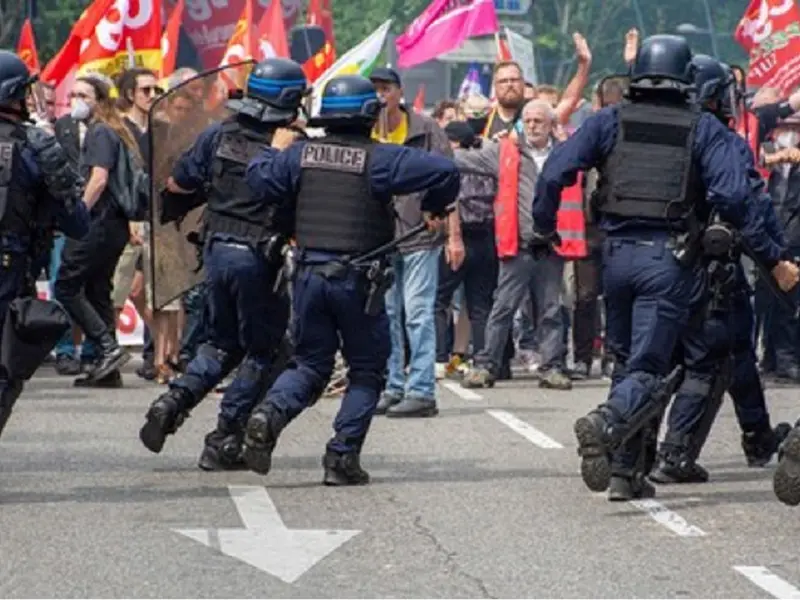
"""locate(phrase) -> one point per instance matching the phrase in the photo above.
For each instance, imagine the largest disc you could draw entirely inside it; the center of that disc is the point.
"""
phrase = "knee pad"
(227, 360)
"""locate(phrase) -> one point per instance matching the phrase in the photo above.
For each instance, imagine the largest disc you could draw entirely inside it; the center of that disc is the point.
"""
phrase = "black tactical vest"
(650, 172)
(17, 204)
(335, 208)
(231, 208)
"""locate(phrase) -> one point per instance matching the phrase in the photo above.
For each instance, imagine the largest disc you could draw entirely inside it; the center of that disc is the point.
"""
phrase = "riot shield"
(612, 89)
(175, 121)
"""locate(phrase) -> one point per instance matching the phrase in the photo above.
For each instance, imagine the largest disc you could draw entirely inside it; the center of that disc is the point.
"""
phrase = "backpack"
(130, 186)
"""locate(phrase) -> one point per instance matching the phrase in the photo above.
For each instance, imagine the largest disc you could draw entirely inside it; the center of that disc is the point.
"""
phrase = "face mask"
(80, 110)
(788, 139)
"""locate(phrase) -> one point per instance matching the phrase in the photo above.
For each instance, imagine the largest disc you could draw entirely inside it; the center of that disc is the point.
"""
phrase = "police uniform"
(658, 162)
(39, 191)
(247, 320)
(718, 351)
(341, 187)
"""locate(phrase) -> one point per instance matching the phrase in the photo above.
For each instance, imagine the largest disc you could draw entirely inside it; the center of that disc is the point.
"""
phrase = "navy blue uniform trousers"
(648, 295)
(247, 322)
(721, 334)
(329, 315)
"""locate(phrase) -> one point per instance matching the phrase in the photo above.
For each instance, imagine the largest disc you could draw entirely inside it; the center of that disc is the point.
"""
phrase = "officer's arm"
(193, 169)
(75, 223)
(725, 176)
(72, 217)
(397, 170)
(582, 151)
(759, 194)
(274, 176)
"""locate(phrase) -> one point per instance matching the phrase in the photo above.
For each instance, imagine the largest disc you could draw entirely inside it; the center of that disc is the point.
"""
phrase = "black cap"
(385, 74)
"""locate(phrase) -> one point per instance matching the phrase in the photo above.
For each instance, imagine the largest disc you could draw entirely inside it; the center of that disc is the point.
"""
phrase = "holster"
(379, 276)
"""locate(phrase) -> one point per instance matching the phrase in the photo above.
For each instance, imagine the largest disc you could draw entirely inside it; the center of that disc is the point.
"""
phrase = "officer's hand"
(283, 138)
(787, 274)
(434, 224)
(454, 253)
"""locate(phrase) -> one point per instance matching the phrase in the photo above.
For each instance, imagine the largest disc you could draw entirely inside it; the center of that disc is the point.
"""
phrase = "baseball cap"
(385, 74)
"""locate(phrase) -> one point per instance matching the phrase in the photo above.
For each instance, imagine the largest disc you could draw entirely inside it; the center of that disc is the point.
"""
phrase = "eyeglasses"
(151, 90)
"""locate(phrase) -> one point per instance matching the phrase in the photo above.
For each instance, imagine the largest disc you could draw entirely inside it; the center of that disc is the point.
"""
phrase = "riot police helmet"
(15, 79)
(712, 83)
(348, 100)
(663, 61)
(274, 92)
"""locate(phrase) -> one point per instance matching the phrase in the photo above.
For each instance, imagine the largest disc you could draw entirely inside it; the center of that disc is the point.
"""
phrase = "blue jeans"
(330, 315)
(413, 294)
(65, 346)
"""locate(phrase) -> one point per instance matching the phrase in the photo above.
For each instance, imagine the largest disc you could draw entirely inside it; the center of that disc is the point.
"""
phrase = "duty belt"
(224, 224)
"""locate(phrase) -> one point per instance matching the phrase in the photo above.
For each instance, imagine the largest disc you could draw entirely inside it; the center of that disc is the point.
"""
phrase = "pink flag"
(443, 27)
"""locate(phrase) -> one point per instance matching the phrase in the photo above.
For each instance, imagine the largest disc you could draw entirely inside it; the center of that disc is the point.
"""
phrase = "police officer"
(661, 165)
(244, 236)
(718, 350)
(39, 191)
(341, 188)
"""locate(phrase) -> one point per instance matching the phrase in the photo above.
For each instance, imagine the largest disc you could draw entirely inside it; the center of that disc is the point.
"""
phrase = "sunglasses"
(151, 90)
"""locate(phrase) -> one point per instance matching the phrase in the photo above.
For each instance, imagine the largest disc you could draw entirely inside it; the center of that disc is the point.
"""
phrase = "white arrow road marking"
(265, 542)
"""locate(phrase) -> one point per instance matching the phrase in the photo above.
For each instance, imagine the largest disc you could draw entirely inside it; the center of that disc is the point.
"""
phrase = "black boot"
(261, 436)
(223, 449)
(761, 442)
(629, 486)
(165, 416)
(676, 466)
(113, 357)
(592, 432)
(343, 469)
(786, 479)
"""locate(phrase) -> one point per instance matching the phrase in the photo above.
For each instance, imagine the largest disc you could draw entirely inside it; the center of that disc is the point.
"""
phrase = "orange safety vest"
(570, 220)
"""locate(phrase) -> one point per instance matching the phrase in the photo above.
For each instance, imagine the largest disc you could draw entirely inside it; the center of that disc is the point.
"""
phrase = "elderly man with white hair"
(540, 275)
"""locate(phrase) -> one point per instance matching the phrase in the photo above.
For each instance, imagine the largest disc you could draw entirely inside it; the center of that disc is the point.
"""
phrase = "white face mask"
(788, 139)
(81, 111)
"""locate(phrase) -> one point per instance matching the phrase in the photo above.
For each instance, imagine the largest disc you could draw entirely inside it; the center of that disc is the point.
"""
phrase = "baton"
(386, 248)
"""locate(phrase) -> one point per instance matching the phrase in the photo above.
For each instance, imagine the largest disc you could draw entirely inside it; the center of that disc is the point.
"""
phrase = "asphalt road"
(483, 501)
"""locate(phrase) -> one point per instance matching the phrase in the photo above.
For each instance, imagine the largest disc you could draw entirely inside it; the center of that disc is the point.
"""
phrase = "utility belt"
(258, 237)
(376, 275)
(256, 234)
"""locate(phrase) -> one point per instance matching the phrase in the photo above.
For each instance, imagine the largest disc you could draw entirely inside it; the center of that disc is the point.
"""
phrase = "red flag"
(240, 48)
(129, 29)
(169, 41)
(503, 53)
(26, 48)
(271, 33)
(63, 63)
(767, 32)
(419, 100)
(320, 13)
(324, 59)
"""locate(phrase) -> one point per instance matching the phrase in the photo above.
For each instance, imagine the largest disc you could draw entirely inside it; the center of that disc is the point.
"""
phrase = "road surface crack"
(450, 557)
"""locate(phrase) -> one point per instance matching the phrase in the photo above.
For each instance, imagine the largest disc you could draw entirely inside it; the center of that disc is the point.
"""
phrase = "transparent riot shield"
(612, 89)
(175, 121)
